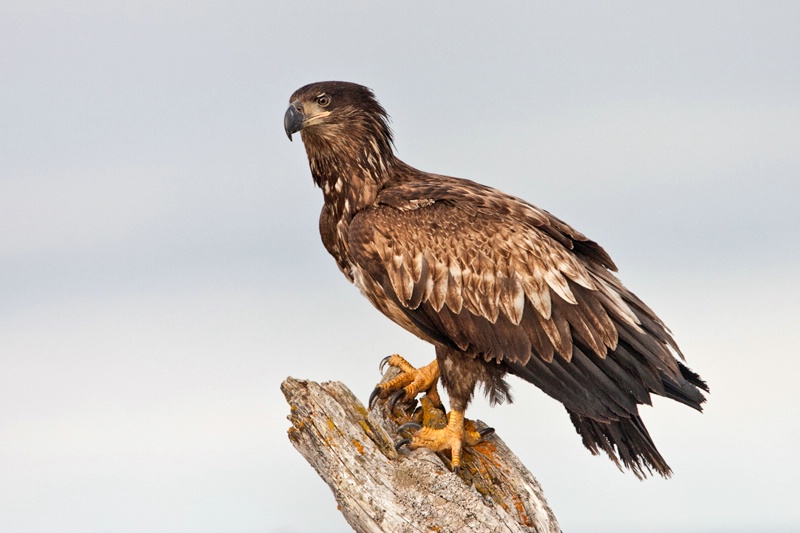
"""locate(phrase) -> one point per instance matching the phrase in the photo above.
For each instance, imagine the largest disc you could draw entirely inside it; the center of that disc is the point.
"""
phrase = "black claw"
(486, 431)
(412, 405)
(455, 470)
(396, 397)
(401, 444)
(375, 394)
(384, 361)
(409, 426)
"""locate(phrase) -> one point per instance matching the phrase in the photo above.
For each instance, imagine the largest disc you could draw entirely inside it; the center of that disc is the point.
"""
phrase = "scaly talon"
(409, 383)
(458, 432)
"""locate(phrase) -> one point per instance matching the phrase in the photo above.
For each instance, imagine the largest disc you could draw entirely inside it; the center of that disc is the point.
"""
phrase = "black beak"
(293, 120)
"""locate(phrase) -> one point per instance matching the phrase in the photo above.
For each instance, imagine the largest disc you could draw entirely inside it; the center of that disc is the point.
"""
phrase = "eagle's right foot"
(409, 383)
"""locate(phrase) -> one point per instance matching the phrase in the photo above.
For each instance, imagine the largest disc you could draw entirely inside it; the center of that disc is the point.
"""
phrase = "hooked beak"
(293, 120)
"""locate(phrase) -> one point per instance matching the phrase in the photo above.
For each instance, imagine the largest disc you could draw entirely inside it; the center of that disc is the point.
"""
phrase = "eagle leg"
(453, 436)
(409, 383)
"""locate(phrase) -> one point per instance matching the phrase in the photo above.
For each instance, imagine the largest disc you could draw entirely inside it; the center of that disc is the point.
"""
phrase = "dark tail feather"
(625, 440)
(686, 390)
(692, 377)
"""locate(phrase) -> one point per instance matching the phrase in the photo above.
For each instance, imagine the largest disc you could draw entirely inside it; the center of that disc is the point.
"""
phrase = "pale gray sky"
(161, 272)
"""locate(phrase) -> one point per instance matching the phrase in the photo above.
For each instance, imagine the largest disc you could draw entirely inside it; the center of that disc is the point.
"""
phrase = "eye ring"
(323, 100)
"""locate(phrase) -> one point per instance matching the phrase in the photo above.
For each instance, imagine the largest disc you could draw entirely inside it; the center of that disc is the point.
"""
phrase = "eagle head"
(332, 109)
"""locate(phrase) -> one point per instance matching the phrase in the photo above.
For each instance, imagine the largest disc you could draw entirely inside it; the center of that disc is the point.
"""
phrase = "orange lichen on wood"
(358, 446)
(523, 516)
(487, 450)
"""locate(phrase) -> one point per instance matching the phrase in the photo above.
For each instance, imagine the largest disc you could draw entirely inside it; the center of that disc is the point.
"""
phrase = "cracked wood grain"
(379, 489)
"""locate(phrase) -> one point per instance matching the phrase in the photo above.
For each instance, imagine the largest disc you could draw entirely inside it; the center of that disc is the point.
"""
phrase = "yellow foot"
(453, 436)
(409, 383)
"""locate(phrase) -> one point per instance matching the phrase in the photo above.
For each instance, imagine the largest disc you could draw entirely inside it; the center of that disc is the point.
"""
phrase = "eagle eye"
(323, 100)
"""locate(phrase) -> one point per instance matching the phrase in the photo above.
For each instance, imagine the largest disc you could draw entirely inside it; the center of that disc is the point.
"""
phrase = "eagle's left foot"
(409, 383)
(453, 436)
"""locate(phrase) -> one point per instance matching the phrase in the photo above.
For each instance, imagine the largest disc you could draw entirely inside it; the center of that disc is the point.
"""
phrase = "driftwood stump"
(380, 489)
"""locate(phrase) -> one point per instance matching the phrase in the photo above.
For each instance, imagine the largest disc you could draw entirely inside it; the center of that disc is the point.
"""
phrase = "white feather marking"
(538, 293)
(407, 278)
(581, 278)
(358, 278)
(487, 285)
(341, 230)
(627, 314)
(542, 303)
(454, 299)
(438, 280)
(416, 267)
(574, 271)
(426, 294)
(514, 301)
(557, 282)
(416, 204)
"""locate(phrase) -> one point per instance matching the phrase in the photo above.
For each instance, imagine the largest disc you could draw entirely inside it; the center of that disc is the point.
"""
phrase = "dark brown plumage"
(496, 284)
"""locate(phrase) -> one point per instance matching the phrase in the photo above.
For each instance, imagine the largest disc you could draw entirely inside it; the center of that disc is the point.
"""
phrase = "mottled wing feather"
(494, 277)
(459, 246)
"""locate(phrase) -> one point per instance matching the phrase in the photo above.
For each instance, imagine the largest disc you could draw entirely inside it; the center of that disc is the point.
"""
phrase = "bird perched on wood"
(497, 285)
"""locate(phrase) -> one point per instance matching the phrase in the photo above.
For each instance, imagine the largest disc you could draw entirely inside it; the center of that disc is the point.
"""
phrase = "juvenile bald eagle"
(496, 284)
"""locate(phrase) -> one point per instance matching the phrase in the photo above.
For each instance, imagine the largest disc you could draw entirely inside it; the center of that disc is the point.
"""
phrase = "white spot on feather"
(541, 302)
(453, 296)
(557, 282)
(627, 314)
(536, 290)
(341, 230)
(514, 302)
(416, 267)
(416, 204)
(358, 278)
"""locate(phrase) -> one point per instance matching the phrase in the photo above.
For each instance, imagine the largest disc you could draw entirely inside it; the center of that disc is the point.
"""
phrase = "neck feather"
(350, 169)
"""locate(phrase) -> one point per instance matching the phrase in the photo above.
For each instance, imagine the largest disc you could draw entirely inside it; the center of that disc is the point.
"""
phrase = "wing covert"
(487, 283)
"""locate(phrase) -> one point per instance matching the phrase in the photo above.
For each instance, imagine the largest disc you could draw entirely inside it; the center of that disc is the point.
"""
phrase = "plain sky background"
(161, 271)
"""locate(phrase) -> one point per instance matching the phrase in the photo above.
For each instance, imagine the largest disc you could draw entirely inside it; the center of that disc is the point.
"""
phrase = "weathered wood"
(379, 489)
